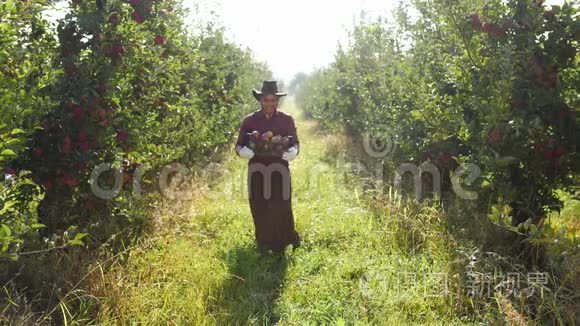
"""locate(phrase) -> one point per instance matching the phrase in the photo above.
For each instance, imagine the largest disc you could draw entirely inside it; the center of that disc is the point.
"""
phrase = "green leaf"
(17, 131)
(505, 161)
(8, 152)
(12, 141)
(80, 236)
(5, 230)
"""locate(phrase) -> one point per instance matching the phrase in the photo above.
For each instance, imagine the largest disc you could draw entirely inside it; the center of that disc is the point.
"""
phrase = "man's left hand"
(290, 154)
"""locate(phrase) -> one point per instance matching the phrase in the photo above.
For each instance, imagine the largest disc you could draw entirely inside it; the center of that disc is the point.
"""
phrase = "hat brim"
(257, 94)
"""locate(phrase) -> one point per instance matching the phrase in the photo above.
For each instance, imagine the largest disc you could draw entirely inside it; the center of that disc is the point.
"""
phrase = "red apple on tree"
(70, 69)
(122, 136)
(136, 16)
(114, 18)
(102, 89)
(486, 27)
(47, 184)
(118, 49)
(66, 145)
(475, 20)
(445, 160)
(83, 146)
(37, 152)
(70, 180)
(78, 113)
(494, 137)
(11, 171)
(498, 31)
(549, 15)
(102, 114)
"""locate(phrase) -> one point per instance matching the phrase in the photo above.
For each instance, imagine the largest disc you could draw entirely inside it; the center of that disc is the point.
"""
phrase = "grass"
(352, 266)
(362, 262)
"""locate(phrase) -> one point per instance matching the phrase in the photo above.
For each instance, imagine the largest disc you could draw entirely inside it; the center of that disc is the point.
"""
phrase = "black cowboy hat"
(269, 87)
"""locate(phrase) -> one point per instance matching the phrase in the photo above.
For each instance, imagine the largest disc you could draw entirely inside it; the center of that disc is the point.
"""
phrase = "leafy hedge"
(492, 84)
(120, 82)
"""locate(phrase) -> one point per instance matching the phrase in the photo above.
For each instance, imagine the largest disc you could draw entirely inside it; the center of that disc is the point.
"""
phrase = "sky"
(291, 36)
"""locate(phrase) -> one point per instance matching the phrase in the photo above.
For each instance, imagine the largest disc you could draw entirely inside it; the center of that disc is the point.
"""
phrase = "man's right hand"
(246, 153)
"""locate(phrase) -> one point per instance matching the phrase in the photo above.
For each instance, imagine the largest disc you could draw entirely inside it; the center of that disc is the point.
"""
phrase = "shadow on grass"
(248, 296)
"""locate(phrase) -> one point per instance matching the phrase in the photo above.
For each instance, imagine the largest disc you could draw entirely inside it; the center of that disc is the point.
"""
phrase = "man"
(269, 182)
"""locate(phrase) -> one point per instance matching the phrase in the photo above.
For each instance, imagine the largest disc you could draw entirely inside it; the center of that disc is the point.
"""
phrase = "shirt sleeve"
(294, 133)
(244, 128)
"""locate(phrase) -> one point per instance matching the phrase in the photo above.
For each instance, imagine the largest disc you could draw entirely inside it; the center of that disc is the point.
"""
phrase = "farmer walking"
(269, 182)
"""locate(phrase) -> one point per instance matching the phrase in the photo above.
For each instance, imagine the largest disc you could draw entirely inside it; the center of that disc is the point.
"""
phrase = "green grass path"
(351, 268)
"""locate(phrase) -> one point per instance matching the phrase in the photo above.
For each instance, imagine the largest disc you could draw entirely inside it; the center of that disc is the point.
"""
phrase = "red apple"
(102, 114)
(487, 27)
(82, 136)
(498, 31)
(118, 49)
(114, 18)
(475, 21)
(11, 171)
(69, 68)
(539, 71)
(122, 136)
(494, 136)
(159, 40)
(137, 17)
(66, 144)
(70, 180)
(37, 152)
(47, 184)
(102, 89)
(84, 146)
(90, 205)
(552, 77)
(78, 113)
(126, 177)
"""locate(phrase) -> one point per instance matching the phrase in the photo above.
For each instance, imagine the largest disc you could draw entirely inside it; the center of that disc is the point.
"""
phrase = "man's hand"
(246, 153)
(290, 154)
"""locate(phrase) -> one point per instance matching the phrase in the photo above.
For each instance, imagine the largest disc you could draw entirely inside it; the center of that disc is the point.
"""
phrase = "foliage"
(121, 82)
(491, 85)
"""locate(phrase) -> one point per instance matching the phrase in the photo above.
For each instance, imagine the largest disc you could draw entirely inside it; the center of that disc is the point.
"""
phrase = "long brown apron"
(271, 210)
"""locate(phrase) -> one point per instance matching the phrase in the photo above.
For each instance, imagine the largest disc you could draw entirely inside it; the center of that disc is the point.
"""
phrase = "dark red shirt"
(280, 123)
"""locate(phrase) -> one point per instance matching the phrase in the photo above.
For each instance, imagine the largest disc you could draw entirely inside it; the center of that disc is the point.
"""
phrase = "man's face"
(269, 103)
